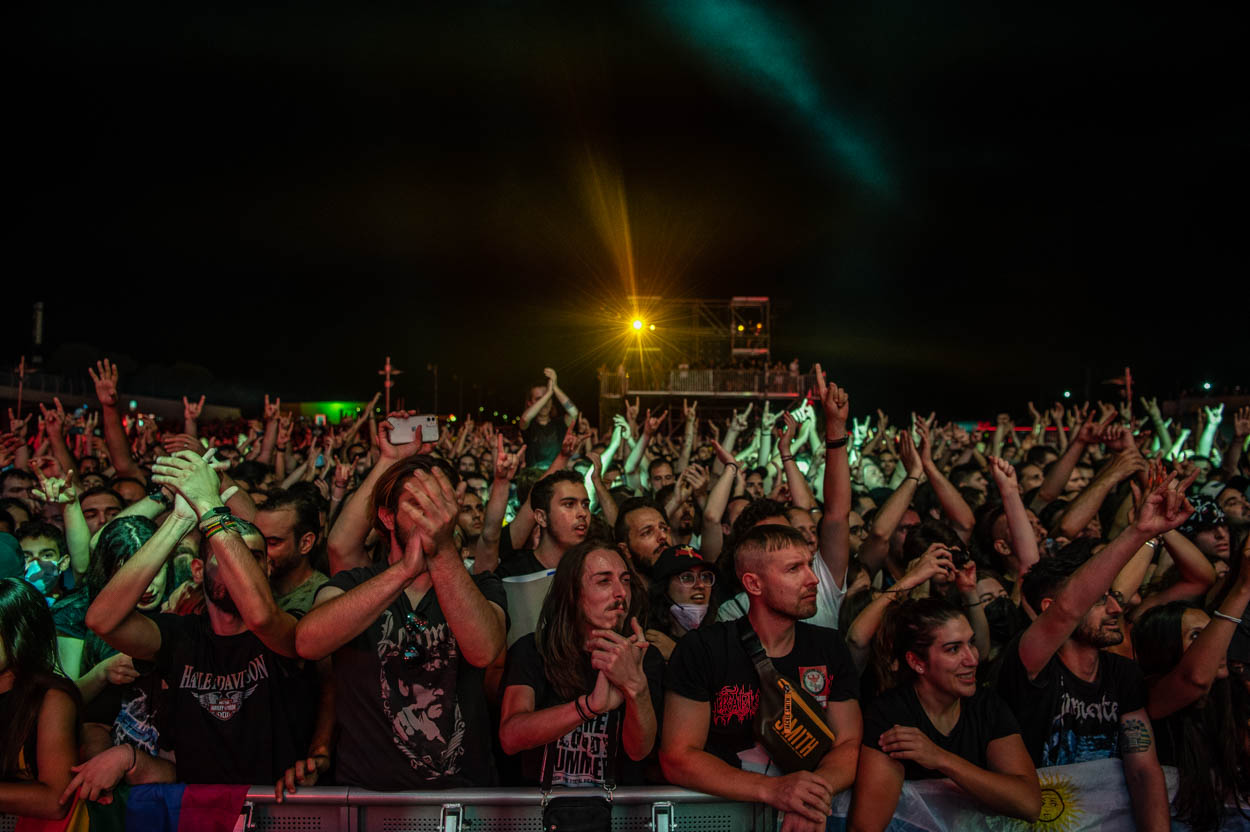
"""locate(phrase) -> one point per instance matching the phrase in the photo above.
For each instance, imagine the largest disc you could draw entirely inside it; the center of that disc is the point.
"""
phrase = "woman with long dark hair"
(585, 681)
(38, 708)
(938, 723)
(1199, 716)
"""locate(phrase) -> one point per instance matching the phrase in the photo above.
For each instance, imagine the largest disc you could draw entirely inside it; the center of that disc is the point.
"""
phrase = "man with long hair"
(584, 684)
(410, 636)
(714, 689)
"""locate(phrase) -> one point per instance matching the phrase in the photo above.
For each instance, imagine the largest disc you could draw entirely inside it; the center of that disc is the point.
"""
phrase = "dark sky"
(954, 205)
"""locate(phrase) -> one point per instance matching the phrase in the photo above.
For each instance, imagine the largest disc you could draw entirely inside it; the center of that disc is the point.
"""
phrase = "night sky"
(960, 206)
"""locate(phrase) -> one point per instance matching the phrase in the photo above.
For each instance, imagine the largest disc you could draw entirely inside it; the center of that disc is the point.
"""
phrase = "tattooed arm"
(1142, 773)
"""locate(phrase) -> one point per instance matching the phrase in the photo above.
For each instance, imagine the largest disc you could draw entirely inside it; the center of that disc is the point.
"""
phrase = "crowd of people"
(776, 609)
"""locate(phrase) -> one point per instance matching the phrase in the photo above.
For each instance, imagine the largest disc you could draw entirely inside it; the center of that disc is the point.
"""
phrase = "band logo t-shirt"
(1065, 719)
(411, 710)
(711, 665)
(582, 754)
(237, 712)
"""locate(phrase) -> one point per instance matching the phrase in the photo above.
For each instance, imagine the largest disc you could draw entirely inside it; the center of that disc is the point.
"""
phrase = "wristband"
(731, 465)
(834, 444)
(917, 479)
(215, 511)
(1219, 614)
(787, 457)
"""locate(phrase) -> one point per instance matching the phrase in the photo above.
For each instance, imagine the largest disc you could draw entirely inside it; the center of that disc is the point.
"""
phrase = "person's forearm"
(952, 502)
(1148, 795)
(1014, 795)
(695, 769)
(295, 476)
(639, 727)
(240, 503)
(1023, 540)
(1081, 510)
(865, 626)
(635, 455)
(32, 799)
(1052, 485)
(1094, 577)
(269, 441)
(118, 445)
(120, 595)
(534, 729)
(77, 538)
(1200, 662)
(1207, 438)
(1232, 457)
(570, 409)
(837, 768)
(149, 769)
(975, 610)
(764, 440)
(731, 439)
(474, 621)
(60, 452)
(1190, 562)
(345, 544)
(327, 627)
(1130, 578)
(249, 589)
(95, 680)
(614, 444)
(533, 410)
(687, 447)
(895, 506)
(607, 503)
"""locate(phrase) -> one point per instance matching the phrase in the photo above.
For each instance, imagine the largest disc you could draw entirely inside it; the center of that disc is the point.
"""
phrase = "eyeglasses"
(690, 578)
(1113, 595)
(856, 531)
(415, 626)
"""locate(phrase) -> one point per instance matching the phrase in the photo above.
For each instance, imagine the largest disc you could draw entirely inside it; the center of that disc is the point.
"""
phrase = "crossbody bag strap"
(755, 650)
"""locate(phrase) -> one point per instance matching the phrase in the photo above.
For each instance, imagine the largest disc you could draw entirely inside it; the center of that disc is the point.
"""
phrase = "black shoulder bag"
(790, 723)
(583, 814)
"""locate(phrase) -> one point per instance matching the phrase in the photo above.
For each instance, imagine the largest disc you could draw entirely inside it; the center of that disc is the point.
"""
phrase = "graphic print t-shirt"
(1065, 719)
(237, 714)
(711, 665)
(411, 710)
(983, 718)
(581, 754)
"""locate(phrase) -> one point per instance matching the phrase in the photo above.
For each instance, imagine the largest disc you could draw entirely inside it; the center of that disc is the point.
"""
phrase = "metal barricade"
(642, 809)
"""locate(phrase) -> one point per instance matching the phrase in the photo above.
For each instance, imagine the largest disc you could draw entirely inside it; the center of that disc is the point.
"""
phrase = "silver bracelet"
(1219, 614)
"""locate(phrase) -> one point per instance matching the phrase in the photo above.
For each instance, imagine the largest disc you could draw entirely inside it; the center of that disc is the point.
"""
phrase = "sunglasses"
(690, 578)
(415, 626)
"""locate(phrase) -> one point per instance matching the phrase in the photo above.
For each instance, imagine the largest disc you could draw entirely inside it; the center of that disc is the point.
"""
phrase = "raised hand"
(506, 464)
(284, 429)
(1241, 423)
(767, 417)
(393, 453)
(739, 421)
(568, 445)
(191, 410)
(696, 477)
(54, 489)
(907, 454)
(429, 508)
(619, 658)
(53, 419)
(1037, 417)
(1056, 415)
(193, 476)
(551, 377)
(604, 696)
(652, 423)
(836, 404)
(18, 426)
(724, 456)
(926, 442)
(105, 379)
(788, 431)
(1164, 506)
(689, 415)
(631, 411)
(182, 442)
(1004, 475)
(935, 561)
(1117, 438)
(271, 410)
(1215, 415)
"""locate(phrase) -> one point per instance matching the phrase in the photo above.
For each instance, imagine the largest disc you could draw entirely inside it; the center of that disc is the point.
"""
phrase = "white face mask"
(688, 615)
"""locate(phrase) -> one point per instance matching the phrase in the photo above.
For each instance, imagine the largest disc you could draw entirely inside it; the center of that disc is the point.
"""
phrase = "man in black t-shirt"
(714, 690)
(540, 428)
(1074, 700)
(410, 638)
(561, 509)
(582, 706)
(238, 711)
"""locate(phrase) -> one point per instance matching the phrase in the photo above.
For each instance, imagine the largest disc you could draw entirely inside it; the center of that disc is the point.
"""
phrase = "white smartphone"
(404, 431)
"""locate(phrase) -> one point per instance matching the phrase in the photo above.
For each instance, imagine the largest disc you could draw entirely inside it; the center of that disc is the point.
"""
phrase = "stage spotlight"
(652, 327)
(1206, 385)
(638, 323)
(1067, 394)
(741, 328)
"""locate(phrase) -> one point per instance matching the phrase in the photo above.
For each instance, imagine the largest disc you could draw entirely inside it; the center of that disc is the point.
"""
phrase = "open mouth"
(698, 597)
(146, 599)
(580, 528)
